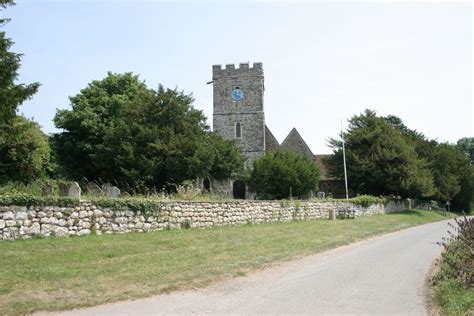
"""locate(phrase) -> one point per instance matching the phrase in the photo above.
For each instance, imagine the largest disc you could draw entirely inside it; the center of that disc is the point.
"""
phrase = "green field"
(63, 273)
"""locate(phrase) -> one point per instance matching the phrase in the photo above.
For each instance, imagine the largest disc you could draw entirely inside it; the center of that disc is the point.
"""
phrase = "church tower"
(238, 107)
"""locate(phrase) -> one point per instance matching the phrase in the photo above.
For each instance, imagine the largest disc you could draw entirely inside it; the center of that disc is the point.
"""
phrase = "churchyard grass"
(65, 273)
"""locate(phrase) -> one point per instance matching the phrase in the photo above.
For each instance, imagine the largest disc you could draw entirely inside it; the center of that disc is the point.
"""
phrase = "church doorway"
(206, 184)
(238, 189)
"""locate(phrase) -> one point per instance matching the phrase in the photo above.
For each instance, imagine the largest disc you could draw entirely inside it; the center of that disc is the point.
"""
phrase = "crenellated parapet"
(230, 70)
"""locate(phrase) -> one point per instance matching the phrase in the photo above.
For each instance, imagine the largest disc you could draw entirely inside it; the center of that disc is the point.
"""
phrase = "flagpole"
(344, 158)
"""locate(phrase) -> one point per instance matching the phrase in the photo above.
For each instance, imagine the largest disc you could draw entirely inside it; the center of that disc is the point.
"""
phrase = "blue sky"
(323, 61)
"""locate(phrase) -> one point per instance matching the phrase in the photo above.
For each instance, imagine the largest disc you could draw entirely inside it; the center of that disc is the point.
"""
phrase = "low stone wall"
(86, 218)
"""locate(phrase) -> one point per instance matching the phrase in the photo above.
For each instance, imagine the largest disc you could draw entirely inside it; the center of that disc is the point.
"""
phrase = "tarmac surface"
(384, 275)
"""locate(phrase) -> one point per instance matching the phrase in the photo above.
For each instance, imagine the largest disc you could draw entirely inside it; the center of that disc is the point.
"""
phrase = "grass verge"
(65, 273)
(454, 298)
(454, 282)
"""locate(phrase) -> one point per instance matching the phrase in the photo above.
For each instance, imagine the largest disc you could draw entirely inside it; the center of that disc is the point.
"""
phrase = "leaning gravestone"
(63, 189)
(74, 190)
(94, 190)
(112, 192)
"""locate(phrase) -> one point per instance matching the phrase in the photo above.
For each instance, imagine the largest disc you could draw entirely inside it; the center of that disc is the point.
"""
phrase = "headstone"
(47, 189)
(112, 192)
(321, 195)
(74, 190)
(63, 189)
(408, 204)
(94, 190)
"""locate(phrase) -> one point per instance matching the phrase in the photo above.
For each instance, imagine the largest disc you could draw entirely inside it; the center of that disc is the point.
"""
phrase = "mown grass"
(65, 273)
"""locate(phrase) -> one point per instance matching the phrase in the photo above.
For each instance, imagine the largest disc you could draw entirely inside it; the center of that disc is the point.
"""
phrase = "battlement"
(243, 69)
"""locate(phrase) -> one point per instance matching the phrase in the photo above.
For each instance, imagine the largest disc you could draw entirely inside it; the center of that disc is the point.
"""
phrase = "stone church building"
(239, 114)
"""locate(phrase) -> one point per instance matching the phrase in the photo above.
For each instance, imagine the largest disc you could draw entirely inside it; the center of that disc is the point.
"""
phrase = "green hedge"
(367, 200)
(136, 205)
(33, 200)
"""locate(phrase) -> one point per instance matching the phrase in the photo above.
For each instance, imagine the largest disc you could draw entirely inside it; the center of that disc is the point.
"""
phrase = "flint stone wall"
(26, 222)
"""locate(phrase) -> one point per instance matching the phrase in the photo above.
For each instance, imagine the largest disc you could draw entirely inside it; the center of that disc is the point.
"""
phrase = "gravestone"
(94, 190)
(48, 189)
(112, 192)
(408, 204)
(74, 190)
(321, 195)
(63, 189)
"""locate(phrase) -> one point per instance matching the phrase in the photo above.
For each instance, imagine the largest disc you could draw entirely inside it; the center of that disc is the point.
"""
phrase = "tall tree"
(449, 167)
(464, 200)
(380, 160)
(120, 130)
(24, 149)
(12, 94)
(466, 145)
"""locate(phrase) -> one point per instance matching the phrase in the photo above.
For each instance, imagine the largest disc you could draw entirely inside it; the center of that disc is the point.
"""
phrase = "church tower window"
(238, 130)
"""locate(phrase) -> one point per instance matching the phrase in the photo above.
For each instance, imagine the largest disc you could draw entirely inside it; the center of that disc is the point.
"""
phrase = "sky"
(323, 61)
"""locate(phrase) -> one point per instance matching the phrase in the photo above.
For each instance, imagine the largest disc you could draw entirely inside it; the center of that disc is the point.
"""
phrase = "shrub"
(366, 200)
(454, 283)
(458, 256)
(32, 200)
(282, 174)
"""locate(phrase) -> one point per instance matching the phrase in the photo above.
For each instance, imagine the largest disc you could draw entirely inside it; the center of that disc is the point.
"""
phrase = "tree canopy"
(26, 154)
(386, 157)
(380, 160)
(121, 131)
(466, 145)
(12, 94)
(277, 175)
(24, 149)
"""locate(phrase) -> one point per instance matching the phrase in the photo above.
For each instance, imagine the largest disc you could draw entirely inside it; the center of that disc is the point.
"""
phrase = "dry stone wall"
(86, 218)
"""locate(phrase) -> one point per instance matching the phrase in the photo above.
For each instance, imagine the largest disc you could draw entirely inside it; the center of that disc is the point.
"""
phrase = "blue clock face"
(237, 94)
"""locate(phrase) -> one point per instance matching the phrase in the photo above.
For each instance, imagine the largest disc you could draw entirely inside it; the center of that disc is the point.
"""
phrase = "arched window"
(238, 130)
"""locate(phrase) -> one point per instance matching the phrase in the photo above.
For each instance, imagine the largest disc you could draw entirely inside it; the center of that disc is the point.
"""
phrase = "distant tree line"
(386, 157)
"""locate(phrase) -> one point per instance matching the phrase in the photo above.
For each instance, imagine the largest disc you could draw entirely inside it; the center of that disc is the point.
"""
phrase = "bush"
(455, 281)
(32, 200)
(281, 174)
(367, 200)
(24, 151)
(458, 256)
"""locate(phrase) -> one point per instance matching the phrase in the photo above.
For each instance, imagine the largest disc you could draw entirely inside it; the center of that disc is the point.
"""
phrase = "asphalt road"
(384, 275)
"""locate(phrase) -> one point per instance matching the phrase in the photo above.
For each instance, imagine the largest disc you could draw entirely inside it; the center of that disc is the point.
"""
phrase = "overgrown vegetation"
(93, 270)
(454, 283)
